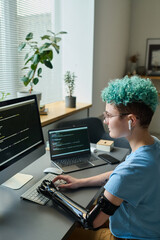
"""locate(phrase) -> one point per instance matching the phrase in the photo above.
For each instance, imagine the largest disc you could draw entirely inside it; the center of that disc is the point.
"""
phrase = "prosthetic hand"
(48, 189)
(82, 215)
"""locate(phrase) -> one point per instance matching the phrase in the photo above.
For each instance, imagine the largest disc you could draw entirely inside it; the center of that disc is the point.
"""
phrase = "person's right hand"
(71, 182)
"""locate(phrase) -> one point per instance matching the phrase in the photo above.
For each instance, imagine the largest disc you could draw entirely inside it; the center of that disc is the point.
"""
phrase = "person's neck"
(140, 137)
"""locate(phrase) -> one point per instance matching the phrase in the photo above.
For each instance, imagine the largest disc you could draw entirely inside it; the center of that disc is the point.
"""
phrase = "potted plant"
(38, 54)
(69, 79)
(133, 63)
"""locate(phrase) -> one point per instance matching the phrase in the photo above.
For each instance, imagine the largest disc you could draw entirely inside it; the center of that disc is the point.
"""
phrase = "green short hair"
(129, 90)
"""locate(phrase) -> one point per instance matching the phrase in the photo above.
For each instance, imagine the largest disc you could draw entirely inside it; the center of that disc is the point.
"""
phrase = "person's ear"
(131, 121)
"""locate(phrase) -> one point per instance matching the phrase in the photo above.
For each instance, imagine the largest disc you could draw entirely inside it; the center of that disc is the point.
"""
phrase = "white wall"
(111, 36)
(109, 29)
(145, 19)
(78, 21)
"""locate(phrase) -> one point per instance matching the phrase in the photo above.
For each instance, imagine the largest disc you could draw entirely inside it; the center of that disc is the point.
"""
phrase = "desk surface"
(21, 219)
(57, 111)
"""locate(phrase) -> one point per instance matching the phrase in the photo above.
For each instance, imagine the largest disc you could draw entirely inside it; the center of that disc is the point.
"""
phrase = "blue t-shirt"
(137, 182)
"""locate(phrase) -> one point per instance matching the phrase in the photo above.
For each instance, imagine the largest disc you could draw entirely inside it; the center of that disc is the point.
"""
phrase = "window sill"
(57, 111)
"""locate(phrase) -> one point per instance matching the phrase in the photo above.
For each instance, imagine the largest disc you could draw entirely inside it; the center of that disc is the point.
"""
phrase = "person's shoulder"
(137, 162)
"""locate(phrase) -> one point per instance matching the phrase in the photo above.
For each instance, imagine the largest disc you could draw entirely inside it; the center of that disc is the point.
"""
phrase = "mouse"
(53, 170)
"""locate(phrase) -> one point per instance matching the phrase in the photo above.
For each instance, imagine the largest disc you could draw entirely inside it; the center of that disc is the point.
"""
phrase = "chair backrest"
(96, 130)
(95, 127)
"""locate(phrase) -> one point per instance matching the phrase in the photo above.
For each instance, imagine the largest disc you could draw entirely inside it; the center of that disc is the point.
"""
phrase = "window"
(17, 19)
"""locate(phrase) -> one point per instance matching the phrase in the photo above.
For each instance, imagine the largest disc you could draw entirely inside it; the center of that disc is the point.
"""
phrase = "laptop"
(70, 149)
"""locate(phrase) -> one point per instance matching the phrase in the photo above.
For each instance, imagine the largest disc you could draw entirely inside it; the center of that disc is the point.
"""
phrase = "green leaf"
(30, 74)
(61, 33)
(25, 80)
(51, 32)
(24, 68)
(48, 64)
(29, 36)
(35, 81)
(26, 56)
(57, 39)
(30, 59)
(45, 37)
(34, 42)
(41, 49)
(49, 55)
(39, 72)
(33, 66)
(21, 46)
(46, 55)
(56, 47)
(36, 59)
(46, 45)
(33, 46)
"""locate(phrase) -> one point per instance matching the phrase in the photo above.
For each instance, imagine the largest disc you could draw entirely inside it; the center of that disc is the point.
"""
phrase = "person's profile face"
(117, 126)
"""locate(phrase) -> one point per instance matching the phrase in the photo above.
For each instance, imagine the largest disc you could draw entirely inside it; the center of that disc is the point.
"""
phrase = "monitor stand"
(17, 181)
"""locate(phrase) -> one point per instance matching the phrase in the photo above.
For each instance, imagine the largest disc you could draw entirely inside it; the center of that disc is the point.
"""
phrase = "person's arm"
(73, 183)
(106, 205)
(102, 217)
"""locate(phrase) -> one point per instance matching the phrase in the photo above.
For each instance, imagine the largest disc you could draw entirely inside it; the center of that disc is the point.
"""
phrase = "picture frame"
(152, 62)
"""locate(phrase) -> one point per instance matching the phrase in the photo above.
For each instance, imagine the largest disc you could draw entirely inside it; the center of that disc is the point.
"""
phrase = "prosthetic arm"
(82, 215)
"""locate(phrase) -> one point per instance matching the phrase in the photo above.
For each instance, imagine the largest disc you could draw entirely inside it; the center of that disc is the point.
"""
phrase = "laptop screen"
(68, 142)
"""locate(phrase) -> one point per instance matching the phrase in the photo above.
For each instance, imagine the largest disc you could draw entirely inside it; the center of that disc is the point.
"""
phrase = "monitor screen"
(67, 142)
(21, 138)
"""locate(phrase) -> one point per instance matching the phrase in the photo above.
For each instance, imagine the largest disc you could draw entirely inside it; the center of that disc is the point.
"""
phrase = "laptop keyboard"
(75, 160)
(32, 195)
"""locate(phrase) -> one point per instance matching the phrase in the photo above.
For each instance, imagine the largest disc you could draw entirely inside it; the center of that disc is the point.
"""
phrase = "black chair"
(96, 131)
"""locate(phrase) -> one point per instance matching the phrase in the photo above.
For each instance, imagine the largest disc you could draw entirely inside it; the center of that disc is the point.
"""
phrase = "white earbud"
(129, 125)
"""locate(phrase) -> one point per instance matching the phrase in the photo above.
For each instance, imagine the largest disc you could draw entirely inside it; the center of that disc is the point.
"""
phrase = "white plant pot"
(27, 93)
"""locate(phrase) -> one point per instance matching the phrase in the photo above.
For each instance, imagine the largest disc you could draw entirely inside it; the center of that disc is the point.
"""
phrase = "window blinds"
(17, 19)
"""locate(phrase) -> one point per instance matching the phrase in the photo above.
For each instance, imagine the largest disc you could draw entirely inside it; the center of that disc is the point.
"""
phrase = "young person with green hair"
(133, 187)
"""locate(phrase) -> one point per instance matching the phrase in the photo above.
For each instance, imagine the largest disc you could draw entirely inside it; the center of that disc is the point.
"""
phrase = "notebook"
(70, 149)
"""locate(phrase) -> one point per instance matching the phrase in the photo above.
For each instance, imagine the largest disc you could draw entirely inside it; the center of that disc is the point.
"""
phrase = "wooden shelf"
(152, 77)
(57, 111)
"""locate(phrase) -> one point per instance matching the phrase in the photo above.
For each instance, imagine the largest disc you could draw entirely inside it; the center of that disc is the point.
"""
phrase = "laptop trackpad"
(84, 165)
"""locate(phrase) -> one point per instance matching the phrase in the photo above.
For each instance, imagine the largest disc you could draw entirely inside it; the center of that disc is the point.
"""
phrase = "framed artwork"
(153, 56)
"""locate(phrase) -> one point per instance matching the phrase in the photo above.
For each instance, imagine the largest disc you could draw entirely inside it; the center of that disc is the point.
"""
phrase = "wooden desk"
(22, 219)
(57, 111)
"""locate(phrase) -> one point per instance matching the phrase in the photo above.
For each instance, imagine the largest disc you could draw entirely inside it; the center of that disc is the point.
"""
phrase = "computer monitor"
(21, 138)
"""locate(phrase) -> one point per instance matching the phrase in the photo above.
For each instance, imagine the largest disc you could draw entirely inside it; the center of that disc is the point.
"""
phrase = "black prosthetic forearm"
(82, 215)
(48, 189)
